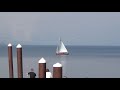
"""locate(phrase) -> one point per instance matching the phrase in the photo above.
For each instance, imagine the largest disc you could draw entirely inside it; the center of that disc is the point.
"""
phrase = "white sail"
(61, 48)
(57, 50)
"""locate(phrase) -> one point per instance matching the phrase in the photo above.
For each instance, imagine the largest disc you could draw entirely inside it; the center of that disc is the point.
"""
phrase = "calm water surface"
(83, 61)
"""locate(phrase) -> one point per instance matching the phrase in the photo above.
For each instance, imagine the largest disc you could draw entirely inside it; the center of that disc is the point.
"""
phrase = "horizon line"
(4, 44)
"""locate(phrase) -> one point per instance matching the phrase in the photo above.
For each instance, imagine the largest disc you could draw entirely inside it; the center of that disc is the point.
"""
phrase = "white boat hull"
(62, 53)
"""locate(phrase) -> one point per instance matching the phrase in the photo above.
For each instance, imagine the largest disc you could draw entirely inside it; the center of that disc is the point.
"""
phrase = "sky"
(74, 28)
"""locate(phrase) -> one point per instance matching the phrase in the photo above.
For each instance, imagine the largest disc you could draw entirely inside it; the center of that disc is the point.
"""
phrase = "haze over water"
(96, 35)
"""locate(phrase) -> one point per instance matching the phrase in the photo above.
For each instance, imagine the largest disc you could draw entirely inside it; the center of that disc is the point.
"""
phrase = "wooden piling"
(10, 61)
(57, 70)
(42, 68)
(19, 61)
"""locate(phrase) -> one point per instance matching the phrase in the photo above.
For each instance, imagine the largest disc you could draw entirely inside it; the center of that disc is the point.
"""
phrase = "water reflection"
(63, 61)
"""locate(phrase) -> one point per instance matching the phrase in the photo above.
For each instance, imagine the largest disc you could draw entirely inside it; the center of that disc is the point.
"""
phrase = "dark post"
(19, 61)
(42, 68)
(57, 70)
(10, 60)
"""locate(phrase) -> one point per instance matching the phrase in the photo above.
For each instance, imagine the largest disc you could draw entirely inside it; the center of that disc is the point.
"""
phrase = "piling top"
(42, 60)
(9, 45)
(57, 65)
(19, 46)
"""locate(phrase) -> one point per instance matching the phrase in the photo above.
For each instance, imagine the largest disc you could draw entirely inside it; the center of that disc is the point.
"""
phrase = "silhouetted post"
(57, 70)
(42, 68)
(19, 61)
(10, 60)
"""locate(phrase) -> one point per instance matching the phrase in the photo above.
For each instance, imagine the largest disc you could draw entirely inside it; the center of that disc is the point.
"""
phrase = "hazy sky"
(75, 28)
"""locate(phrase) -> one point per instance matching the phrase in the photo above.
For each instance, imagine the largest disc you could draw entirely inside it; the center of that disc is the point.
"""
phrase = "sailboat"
(61, 49)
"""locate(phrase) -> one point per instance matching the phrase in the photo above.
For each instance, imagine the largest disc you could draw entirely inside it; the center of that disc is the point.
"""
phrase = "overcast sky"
(75, 28)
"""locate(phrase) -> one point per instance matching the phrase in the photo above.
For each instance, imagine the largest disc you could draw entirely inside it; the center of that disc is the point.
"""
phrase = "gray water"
(82, 62)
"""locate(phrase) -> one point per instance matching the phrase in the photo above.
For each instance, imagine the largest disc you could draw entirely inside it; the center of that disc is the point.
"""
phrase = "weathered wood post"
(42, 68)
(10, 61)
(19, 61)
(57, 70)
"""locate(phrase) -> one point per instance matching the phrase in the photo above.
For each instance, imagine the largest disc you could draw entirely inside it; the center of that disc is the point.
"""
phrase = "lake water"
(82, 62)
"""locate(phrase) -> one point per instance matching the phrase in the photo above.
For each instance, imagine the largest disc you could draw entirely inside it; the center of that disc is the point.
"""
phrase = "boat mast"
(60, 42)
(58, 47)
(60, 39)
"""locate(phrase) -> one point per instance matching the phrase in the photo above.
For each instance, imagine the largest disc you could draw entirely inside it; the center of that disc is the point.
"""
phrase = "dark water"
(83, 61)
